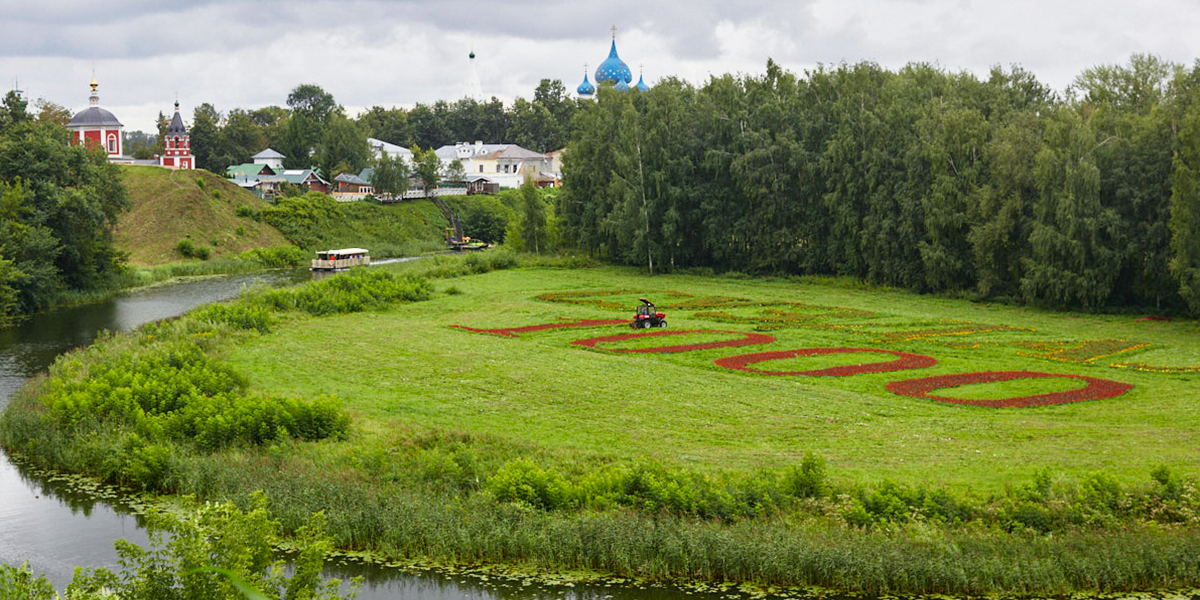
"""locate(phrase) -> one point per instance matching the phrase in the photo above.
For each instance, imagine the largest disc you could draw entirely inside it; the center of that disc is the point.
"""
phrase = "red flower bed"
(748, 339)
(906, 361)
(1096, 388)
(513, 331)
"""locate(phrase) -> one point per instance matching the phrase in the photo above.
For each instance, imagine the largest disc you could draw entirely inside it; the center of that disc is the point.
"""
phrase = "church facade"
(95, 127)
(177, 150)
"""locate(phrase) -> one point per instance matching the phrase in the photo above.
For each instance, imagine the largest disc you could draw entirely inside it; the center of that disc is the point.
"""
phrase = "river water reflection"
(56, 529)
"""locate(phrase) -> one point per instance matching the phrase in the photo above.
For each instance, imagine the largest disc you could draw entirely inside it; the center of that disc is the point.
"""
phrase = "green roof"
(244, 171)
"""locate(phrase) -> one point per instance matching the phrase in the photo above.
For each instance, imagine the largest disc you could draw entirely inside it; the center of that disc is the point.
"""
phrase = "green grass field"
(520, 449)
(408, 367)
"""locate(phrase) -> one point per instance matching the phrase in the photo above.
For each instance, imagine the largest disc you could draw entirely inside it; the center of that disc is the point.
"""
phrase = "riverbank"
(469, 446)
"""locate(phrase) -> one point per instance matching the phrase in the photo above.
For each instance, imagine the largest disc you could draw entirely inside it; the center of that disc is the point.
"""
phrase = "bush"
(175, 392)
(214, 551)
(356, 291)
(808, 479)
(186, 248)
(19, 583)
(238, 315)
(276, 257)
(523, 481)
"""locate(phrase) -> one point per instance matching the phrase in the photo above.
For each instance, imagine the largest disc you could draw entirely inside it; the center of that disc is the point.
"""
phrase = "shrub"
(245, 316)
(276, 257)
(523, 481)
(214, 551)
(186, 248)
(202, 252)
(176, 392)
(20, 583)
(807, 480)
(356, 291)
(1171, 485)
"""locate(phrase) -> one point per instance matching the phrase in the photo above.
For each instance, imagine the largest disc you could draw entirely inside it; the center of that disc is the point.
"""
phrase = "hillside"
(169, 206)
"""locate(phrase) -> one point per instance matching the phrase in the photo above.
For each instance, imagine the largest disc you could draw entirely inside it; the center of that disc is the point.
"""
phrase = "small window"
(112, 144)
(480, 168)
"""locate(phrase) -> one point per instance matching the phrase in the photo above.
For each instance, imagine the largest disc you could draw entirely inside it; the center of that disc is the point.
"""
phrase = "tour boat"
(337, 260)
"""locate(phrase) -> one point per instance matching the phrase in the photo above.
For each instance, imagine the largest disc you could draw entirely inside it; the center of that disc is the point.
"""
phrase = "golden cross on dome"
(614, 30)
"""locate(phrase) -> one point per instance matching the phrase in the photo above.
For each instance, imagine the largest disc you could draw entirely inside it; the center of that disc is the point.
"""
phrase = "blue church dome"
(613, 69)
(621, 86)
(585, 88)
(641, 86)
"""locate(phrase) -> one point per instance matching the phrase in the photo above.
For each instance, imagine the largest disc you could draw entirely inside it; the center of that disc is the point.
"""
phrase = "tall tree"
(311, 109)
(49, 112)
(241, 137)
(387, 124)
(1185, 189)
(60, 204)
(390, 176)
(533, 217)
(206, 142)
(13, 111)
(343, 147)
(1075, 240)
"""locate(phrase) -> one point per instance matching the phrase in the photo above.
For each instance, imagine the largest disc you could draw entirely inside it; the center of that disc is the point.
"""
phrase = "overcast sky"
(249, 54)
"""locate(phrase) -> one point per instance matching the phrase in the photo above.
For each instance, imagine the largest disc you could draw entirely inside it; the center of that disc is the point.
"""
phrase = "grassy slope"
(408, 367)
(169, 206)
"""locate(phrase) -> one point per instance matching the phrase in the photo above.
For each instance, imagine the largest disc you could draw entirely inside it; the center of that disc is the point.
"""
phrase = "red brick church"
(177, 151)
(95, 126)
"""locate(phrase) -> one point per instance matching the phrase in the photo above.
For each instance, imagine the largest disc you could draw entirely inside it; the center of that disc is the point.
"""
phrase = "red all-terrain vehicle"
(647, 316)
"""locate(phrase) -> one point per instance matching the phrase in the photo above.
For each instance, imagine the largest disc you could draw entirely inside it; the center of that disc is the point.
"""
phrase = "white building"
(505, 164)
(270, 158)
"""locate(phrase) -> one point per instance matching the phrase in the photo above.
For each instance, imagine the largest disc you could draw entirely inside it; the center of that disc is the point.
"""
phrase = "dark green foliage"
(533, 218)
(355, 291)
(276, 257)
(315, 221)
(543, 124)
(186, 248)
(1185, 190)
(808, 479)
(342, 148)
(175, 392)
(58, 206)
(390, 177)
(483, 217)
(919, 178)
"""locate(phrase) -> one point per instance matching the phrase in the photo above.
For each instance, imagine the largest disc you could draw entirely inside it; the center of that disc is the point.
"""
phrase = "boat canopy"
(344, 252)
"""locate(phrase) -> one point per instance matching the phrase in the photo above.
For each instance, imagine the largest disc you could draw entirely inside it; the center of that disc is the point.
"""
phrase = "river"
(56, 529)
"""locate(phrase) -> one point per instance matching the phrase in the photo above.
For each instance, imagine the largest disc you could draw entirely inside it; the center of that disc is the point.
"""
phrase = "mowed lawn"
(409, 367)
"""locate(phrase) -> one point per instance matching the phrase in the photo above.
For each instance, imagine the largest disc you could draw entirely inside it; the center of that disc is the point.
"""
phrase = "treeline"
(314, 131)
(58, 206)
(921, 179)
